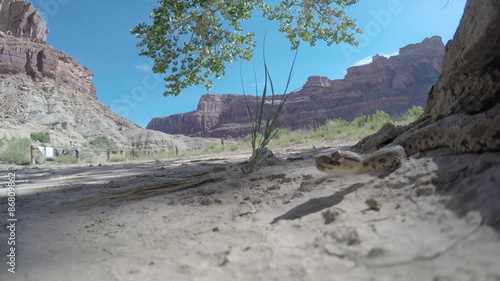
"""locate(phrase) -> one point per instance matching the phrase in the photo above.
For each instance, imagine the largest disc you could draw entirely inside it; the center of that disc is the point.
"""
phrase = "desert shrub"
(87, 157)
(360, 121)
(213, 148)
(17, 150)
(380, 117)
(286, 137)
(117, 158)
(237, 146)
(282, 132)
(413, 113)
(265, 126)
(103, 142)
(66, 159)
(40, 137)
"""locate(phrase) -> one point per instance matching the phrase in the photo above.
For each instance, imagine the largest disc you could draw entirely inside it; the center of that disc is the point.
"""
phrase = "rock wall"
(20, 19)
(471, 70)
(391, 84)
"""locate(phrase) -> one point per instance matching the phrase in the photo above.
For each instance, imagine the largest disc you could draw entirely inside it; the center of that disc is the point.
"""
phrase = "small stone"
(245, 208)
(274, 187)
(425, 190)
(306, 186)
(373, 204)
(330, 216)
(215, 229)
(24, 88)
(375, 252)
(206, 202)
(297, 194)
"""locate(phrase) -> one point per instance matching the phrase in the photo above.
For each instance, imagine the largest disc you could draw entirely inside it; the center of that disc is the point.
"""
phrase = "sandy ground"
(287, 222)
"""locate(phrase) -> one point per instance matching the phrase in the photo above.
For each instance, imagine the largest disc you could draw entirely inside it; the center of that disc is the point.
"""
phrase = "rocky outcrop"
(470, 82)
(466, 98)
(23, 50)
(20, 19)
(391, 84)
(42, 63)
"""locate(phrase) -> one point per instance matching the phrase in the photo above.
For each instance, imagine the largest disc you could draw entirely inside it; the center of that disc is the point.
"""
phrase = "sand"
(288, 222)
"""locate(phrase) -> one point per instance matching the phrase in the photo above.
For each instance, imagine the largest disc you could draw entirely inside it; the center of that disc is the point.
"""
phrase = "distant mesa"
(391, 84)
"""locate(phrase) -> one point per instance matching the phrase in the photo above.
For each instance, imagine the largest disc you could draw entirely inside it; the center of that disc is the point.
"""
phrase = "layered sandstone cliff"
(23, 50)
(391, 84)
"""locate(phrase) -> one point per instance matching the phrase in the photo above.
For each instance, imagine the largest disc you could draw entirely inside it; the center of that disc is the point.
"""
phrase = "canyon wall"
(391, 84)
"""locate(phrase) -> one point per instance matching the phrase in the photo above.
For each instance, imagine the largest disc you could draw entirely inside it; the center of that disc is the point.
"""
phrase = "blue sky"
(97, 34)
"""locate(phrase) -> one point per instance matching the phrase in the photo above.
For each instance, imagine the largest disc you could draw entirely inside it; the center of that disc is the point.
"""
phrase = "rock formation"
(45, 90)
(467, 89)
(25, 51)
(21, 19)
(391, 84)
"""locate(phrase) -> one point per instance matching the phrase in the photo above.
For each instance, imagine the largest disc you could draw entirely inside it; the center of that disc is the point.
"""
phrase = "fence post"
(133, 153)
(222, 143)
(108, 154)
(32, 156)
(176, 151)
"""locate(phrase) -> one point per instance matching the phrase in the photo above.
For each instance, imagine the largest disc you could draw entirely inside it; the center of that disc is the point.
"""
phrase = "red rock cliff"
(23, 50)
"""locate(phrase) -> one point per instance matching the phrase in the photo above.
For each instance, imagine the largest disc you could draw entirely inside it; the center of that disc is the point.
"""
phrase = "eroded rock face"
(19, 18)
(44, 64)
(391, 84)
(470, 82)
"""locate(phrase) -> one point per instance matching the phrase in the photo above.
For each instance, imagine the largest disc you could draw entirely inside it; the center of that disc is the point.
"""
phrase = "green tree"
(192, 40)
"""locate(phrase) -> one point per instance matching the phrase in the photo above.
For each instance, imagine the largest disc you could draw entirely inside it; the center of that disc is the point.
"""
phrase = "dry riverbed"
(204, 219)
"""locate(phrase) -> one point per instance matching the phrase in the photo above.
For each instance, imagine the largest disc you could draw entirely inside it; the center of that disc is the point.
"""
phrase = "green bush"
(413, 113)
(66, 159)
(103, 142)
(380, 117)
(360, 121)
(40, 137)
(17, 151)
(88, 157)
(117, 158)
